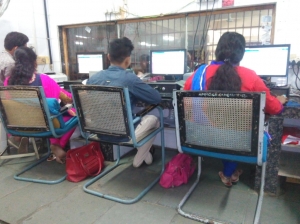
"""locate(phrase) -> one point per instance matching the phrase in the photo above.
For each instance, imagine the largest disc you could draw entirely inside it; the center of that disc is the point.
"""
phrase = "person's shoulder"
(96, 77)
(46, 78)
(130, 76)
(243, 71)
(130, 73)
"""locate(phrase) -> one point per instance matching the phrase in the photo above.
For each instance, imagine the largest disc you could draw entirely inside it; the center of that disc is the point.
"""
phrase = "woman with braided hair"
(24, 73)
(225, 74)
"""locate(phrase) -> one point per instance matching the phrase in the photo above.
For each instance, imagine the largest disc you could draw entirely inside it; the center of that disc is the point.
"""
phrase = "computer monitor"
(267, 60)
(168, 62)
(90, 62)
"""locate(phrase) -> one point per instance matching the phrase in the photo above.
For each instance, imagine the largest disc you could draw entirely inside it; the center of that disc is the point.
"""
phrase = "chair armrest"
(146, 110)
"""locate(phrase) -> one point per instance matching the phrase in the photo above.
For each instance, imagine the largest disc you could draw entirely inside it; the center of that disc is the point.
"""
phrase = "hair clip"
(227, 59)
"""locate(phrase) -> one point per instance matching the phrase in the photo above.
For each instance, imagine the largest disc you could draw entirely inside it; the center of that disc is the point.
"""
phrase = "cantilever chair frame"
(129, 122)
(46, 131)
(257, 155)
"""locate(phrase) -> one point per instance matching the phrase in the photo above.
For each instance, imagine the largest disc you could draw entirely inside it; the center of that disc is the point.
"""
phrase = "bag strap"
(99, 161)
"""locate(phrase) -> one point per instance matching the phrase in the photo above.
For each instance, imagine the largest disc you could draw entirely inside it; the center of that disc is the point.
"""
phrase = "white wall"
(28, 17)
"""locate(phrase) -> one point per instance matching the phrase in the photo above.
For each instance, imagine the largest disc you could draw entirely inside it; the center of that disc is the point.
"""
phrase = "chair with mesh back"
(106, 112)
(224, 125)
(25, 113)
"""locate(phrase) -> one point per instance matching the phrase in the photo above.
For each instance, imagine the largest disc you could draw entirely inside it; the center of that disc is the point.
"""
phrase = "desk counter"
(275, 128)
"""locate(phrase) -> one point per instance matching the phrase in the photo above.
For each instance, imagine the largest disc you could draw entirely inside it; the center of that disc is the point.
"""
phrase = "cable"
(205, 36)
(201, 44)
(196, 34)
(107, 32)
(296, 73)
(205, 29)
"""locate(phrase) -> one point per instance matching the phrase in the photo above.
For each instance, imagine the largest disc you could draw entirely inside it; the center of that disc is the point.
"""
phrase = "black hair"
(119, 49)
(230, 49)
(25, 66)
(15, 39)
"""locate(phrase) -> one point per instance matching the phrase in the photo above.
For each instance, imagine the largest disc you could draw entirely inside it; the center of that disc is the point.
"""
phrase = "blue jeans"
(229, 167)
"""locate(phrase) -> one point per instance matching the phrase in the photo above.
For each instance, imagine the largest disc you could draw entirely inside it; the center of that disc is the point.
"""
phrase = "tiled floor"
(66, 202)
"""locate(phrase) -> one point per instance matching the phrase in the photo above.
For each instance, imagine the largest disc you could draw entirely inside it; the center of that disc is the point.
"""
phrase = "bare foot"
(59, 153)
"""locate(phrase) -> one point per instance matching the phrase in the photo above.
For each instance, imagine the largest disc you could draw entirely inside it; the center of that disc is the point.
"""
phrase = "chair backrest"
(102, 110)
(23, 109)
(209, 123)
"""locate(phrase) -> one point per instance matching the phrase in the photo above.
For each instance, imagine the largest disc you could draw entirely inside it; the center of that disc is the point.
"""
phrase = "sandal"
(52, 157)
(59, 153)
(235, 177)
(60, 160)
(226, 180)
(152, 150)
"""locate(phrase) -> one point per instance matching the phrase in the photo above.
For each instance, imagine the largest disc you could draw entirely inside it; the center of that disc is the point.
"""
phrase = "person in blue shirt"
(117, 75)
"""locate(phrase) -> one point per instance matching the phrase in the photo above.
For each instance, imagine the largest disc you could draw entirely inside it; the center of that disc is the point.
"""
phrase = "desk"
(274, 150)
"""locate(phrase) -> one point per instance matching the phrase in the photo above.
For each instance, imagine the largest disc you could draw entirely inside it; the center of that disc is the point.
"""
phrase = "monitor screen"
(90, 62)
(267, 60)
(168, 62)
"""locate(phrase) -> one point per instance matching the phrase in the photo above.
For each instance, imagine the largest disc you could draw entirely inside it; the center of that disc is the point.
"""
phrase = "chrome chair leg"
(17, 176)
(106, 171)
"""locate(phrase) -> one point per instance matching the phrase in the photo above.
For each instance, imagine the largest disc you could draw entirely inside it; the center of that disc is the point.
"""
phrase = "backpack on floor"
(177, 171)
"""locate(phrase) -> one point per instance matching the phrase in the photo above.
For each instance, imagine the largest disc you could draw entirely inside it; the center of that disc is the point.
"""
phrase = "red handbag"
(84, 161)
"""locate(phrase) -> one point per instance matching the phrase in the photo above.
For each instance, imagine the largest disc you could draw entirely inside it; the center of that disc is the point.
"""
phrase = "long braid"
(25, 66)
(230, 49)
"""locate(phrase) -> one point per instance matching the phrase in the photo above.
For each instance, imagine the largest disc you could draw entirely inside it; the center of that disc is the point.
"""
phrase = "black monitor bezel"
(89, 53)
(168, 50)
(272, 46)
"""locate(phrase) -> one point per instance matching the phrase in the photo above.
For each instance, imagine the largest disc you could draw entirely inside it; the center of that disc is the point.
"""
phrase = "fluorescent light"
(147, 44)
(78, 43)
(169, 38)
(81, 36)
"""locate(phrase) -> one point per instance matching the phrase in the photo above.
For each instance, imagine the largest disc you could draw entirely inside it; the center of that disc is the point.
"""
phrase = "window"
(159, 34)
(86, 39)
(169, 32)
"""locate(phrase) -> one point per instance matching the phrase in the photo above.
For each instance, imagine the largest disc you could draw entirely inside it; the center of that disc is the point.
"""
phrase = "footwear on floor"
(149, 158)
(21, 145)
(59, 153)
(52, 157)
(142, 155)
(235, 177)
(226, 180)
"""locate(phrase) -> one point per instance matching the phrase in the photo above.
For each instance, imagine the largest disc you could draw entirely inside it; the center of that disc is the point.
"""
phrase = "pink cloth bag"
(177, 171)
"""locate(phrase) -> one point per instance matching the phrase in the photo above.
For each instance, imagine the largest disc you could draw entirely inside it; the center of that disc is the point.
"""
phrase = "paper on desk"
(289, 139)
(291, 135)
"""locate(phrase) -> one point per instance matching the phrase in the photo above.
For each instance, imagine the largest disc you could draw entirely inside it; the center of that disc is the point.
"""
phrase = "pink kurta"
(53, 90)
